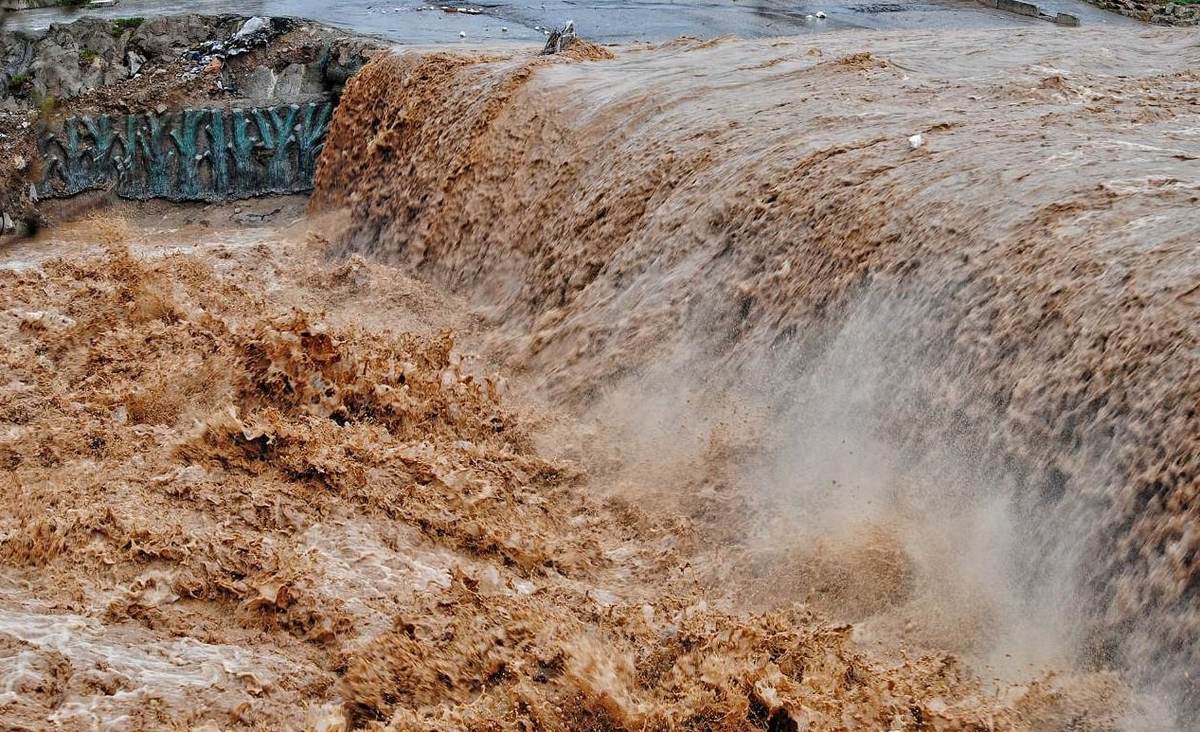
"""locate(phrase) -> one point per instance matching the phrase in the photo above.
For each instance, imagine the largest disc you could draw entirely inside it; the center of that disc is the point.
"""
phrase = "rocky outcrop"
(70, 60)
(172, 35)
(82, 56)
(1170, 13)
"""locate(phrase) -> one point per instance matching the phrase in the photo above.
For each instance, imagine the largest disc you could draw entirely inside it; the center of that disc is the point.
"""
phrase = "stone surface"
(135, 61)
(259, 84)
(289, 83)
(68, 60)
(1154, 12)
(56, 72)
(172, 35)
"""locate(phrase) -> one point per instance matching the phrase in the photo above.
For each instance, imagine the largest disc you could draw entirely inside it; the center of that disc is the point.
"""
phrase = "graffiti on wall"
(191, 155)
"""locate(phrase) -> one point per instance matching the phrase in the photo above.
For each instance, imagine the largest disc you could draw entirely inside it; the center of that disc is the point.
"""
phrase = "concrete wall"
(1018, 7)
(1014, 6)
(190, 155)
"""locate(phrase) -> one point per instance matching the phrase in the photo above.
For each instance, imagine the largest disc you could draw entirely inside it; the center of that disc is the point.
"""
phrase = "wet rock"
(560, 39)
(91, 34)
(259, 84)
(17, 55)
(1153, 11)
(313, 81)
(343, 59)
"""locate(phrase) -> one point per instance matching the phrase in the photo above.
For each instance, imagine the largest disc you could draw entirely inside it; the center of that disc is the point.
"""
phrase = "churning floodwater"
(807, 382)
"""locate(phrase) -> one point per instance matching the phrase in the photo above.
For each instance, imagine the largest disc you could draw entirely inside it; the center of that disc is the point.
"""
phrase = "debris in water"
(916, 141)
(560, 39)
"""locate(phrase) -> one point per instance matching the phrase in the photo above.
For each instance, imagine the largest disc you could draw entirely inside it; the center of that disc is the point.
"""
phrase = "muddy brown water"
(980, 339)
(668, 387)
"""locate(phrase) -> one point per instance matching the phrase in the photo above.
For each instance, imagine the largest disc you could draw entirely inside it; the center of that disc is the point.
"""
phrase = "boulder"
(92, 34)
(259, 84)
(290, 82)
(343, 59)
(16, 55)
(56, 71)
(171, 35)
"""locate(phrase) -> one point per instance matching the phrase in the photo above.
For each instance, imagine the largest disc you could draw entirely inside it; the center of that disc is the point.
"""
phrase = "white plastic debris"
(821, 15)
(503, 29)
(462, 34)
(135, 61)
(252, 26)
(916, 141)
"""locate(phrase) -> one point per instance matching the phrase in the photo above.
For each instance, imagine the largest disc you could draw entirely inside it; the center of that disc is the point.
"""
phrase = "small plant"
(19, 83)
(120, 25)
(86, 57)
